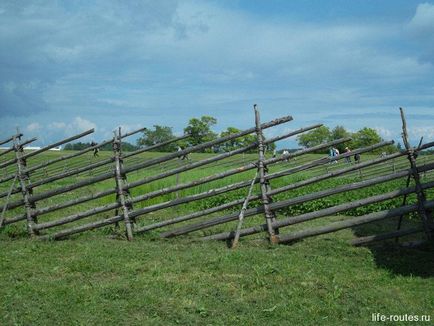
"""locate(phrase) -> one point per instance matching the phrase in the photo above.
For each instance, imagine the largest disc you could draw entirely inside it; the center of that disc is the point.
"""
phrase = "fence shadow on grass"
(394, 256)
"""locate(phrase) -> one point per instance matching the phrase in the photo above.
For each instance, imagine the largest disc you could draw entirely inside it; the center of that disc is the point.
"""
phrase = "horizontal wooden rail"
(11, 138)
(24, 143)
(79, 170)
(105, 222)
(268, 177)
(384, 236)
(81, 152)
(336, 226)
(46, 148)
(329, 211)
(160, 192)
(145, 164)
(286, 203)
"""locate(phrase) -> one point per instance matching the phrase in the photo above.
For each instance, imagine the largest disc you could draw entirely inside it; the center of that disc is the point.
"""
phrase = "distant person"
(357, 158)
(335, 153)
(348, 158)
(183, 156)
(274, 153)
(95, 150)
(285, 153)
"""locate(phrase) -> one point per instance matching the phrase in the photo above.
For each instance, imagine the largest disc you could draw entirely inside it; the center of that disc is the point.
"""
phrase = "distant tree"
(68, 147)
(158, 135)
(237, 142)
(200, 131)
(76, 146)
(314, 137)
(270, 147)
(127, 147)
(365, 137)
(339, 132)
(230, 144)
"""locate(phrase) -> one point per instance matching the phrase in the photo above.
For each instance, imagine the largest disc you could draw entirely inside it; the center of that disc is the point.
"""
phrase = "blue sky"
(67, 66)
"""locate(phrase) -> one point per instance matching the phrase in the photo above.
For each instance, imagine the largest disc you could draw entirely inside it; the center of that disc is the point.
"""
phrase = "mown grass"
(95, 280)
(98, 278)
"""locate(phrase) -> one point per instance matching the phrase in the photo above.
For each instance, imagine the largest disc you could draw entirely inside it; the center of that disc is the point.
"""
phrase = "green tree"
(159, 135)
(230, 144)
(314, 137)
(237, 142)
(200, 131)
(271, 147)
(339, 132)
(365, 137)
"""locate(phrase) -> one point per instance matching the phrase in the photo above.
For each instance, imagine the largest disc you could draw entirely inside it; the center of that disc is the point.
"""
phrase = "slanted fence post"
(243, 210)
(425, 214)
(270, 217)
(23, 178)
(121, 193)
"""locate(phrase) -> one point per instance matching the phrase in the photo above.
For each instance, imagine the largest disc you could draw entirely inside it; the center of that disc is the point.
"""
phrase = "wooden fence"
(103, 195)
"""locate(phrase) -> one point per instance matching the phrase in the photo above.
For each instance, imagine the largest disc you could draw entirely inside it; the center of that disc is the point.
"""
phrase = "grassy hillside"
(99, 278)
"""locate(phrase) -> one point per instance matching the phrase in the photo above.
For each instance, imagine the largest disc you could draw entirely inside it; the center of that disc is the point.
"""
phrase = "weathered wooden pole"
(384, 236)
(120, 178)
(23, 178)
(26, 142)
(149, 163)
(243, 209)
(190, 216)
(364, 219)
(427, 219)
(46, 148)
(240, 201)
(11, 138)
(160, 176)
(86, 150)
(292, 220)
(285, 203)
(5, 207)
(266, 199)
(76, 201)
(404, 201)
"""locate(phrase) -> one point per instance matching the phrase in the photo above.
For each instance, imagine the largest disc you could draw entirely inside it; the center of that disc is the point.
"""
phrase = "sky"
(68, 66)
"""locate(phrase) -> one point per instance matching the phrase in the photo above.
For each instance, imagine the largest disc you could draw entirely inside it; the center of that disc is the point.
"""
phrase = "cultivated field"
(98, 277)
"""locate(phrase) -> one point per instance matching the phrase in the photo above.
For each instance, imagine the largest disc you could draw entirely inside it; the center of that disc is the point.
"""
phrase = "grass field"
(99, 278)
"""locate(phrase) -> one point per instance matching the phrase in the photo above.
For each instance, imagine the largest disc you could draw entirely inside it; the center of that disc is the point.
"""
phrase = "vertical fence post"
(427, 219)
(23, 178)
(270, 217)
(120, 181)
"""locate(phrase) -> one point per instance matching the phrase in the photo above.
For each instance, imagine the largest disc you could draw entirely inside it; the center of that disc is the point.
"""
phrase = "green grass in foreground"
(96, 280)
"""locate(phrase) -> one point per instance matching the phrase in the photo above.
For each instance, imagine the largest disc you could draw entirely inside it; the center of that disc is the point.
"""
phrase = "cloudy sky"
(67, 66)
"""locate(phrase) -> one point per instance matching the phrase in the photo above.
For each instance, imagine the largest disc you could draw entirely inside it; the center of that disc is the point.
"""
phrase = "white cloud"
(57, 125)
(77, 125)
(384, 132)
(427, 132)
(164, 62)
(80, 124)
(421, 31)
(34, 126)
(423, 19)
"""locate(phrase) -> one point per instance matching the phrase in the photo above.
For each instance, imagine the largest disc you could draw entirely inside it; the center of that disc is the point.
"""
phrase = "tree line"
(361, 138)
(200, 131)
